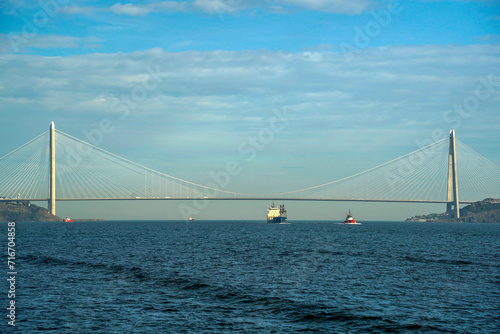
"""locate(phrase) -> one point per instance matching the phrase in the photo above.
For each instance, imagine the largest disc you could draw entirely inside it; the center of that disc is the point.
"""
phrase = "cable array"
(478, 177)
(419, 175)
(84, 171)
(24, 172)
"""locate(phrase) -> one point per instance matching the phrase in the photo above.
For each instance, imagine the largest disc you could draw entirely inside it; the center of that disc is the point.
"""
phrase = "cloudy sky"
(185, 84)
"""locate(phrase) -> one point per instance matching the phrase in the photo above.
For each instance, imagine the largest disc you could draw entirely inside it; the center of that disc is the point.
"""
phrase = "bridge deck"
(232, 199)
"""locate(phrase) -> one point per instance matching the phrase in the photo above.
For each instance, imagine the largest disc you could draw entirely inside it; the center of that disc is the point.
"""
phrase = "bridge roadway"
(232, 199)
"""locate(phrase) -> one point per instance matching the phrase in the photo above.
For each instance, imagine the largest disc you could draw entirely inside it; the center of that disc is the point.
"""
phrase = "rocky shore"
(485, 211)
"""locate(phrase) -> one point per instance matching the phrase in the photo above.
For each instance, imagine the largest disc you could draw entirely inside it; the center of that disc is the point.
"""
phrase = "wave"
(306, 316)
(440, 261)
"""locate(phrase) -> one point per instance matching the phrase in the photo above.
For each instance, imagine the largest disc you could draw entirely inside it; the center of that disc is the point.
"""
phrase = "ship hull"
(277, 220)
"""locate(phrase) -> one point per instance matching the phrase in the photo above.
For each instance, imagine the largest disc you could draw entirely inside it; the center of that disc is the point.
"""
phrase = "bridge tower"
(52, 170)
(453, 205)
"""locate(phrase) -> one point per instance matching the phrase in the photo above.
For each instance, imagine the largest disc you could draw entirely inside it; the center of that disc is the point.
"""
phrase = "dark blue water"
(252, 277)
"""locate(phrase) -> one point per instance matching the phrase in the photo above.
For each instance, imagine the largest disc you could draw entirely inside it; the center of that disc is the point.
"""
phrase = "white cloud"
(335, 6)
(15, 7)
(215, 6)
(133, 10)
(172, 6)
(78, 10)
(130, 9)
(393, 94)
(227, 6)
(23, 44)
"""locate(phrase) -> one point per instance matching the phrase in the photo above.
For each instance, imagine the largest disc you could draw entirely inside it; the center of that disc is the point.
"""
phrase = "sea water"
(253, 277)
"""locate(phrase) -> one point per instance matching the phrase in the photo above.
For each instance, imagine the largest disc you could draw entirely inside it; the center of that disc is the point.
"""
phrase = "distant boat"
(191, 219)
(67, 220)
(350, 219)
(276, 215)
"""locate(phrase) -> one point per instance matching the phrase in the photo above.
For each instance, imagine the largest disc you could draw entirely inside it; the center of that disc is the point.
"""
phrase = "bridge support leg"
(52, 170)
(453, 205)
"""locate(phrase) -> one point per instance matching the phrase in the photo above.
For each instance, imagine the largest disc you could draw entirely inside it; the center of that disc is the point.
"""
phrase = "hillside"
(24, 211)
(485, 211)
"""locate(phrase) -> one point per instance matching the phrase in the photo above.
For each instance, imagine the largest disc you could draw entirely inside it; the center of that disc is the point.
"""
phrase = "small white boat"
(191, 219)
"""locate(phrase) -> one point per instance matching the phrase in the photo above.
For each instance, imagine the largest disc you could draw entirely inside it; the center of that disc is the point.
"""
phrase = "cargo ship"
(276, 214)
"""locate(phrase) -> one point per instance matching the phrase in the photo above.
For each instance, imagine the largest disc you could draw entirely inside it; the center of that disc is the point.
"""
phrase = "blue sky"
(364, 80)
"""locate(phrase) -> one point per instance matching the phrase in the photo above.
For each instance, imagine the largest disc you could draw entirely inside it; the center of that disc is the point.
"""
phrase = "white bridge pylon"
(56, 166)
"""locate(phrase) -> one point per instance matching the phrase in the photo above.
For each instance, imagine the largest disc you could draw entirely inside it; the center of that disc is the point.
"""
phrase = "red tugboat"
(67, 220)
(350, 219)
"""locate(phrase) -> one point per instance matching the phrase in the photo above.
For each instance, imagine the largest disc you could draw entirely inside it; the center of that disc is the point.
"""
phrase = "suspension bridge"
(56, 166)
